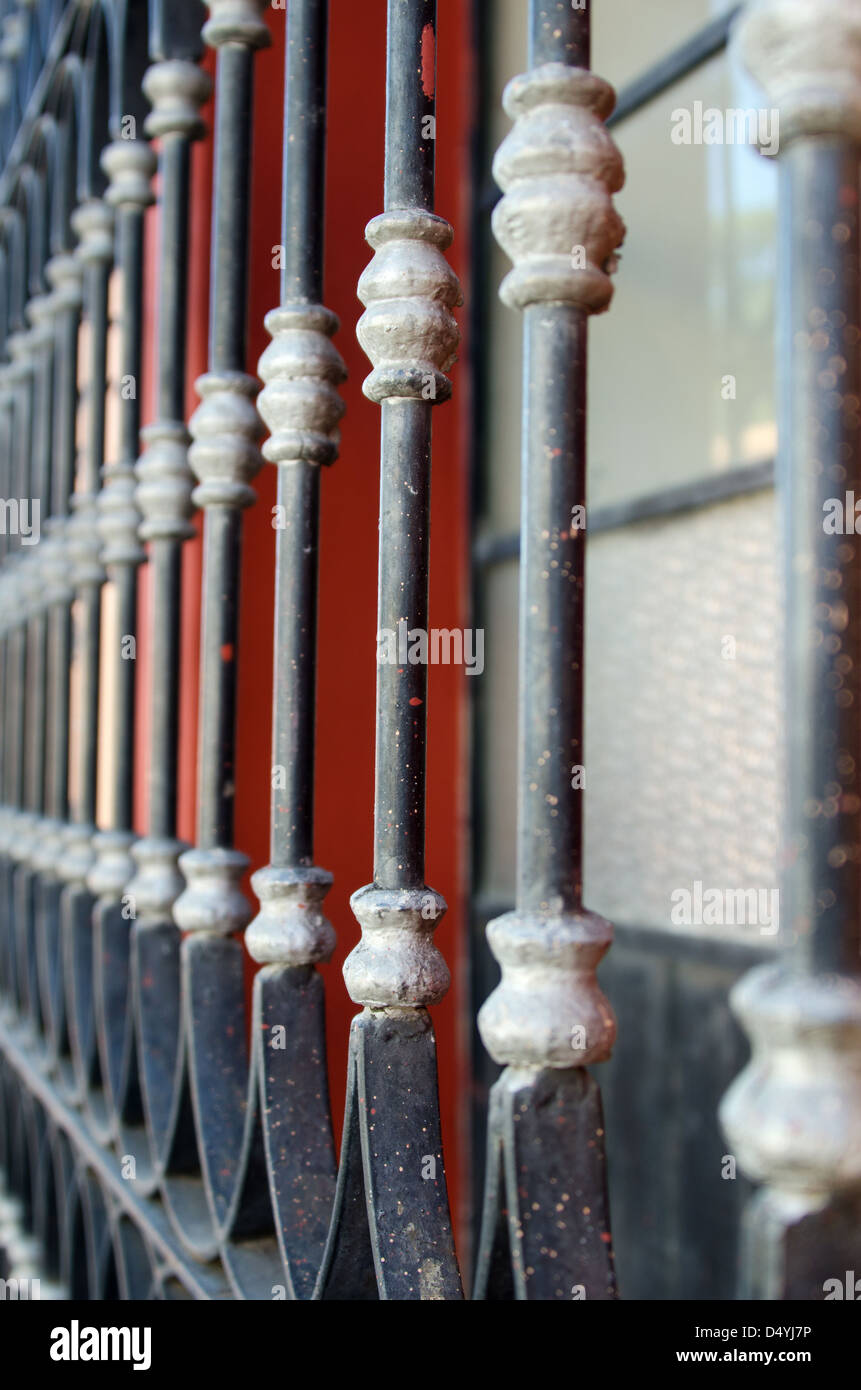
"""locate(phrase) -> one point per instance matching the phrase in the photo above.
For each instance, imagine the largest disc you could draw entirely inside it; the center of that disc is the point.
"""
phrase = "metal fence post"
(548, 1019)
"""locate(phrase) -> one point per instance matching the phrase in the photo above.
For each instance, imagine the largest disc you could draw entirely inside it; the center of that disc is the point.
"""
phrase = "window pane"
(682, 737)
(628, 36)
(681, 376)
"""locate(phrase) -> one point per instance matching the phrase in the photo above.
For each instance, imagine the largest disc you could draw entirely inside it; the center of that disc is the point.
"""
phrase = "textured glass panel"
(682, 737)
(681, 377)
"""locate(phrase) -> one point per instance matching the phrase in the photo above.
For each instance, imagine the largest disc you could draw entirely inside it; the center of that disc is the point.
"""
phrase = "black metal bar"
(224, 458)
(822, 574)
(219, 639)
(389, 1221)
(547, 1019)
(549, 858)
(297, 537)
(301, 370)
(128, 165)
(226, 427)
(304, 153)
(231, 204)
(399, 802)
(28, 668)
(410, 105)
(166, 571)
(176, 89)
(174, 178)
(93, 222)
(64, 274)
(293, 707)
(559, 33)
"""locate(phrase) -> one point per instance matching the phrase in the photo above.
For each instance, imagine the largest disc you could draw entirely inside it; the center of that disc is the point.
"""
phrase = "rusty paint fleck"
(428, 61)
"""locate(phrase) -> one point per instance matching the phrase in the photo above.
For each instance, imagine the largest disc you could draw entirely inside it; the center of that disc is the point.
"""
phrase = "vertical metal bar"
(301, 370)
(30, 445)
(27, 593)
(176, 89)
(92, 222)
(64, 273)
(37, 591)
(224, 457)
(395, 972)
(548, 1019)
(129, 165)
(411, 339)
(793, 1117)
(399, 807)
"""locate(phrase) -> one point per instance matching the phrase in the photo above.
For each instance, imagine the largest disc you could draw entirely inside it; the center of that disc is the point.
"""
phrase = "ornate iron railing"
(152, 1144)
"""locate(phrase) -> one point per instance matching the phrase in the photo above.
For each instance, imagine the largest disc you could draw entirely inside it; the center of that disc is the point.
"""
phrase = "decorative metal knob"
(157, 881)
(82, 546)
(118, 519)
(129, 166)
(93, 224)
(113, 867)
(225, 429)
(793, 1116)
(212, 900)
(164, 484)
(64, 274)
(176, 91)
(559, 167)
(236, 21)
(548, 1010)
(290, 929)
(408, 330)
(809, 64)
(301, 368)
(396, 962)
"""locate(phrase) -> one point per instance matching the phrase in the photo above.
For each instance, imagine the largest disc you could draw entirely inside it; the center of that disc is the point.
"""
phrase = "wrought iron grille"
(158, 1139)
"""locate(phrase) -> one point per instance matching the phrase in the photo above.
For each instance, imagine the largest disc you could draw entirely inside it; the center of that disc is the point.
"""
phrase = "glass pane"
(628, 36)
(682, 738)
(681, 375)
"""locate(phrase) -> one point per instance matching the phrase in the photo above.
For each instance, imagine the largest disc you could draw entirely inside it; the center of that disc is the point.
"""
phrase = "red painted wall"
(345, 717)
